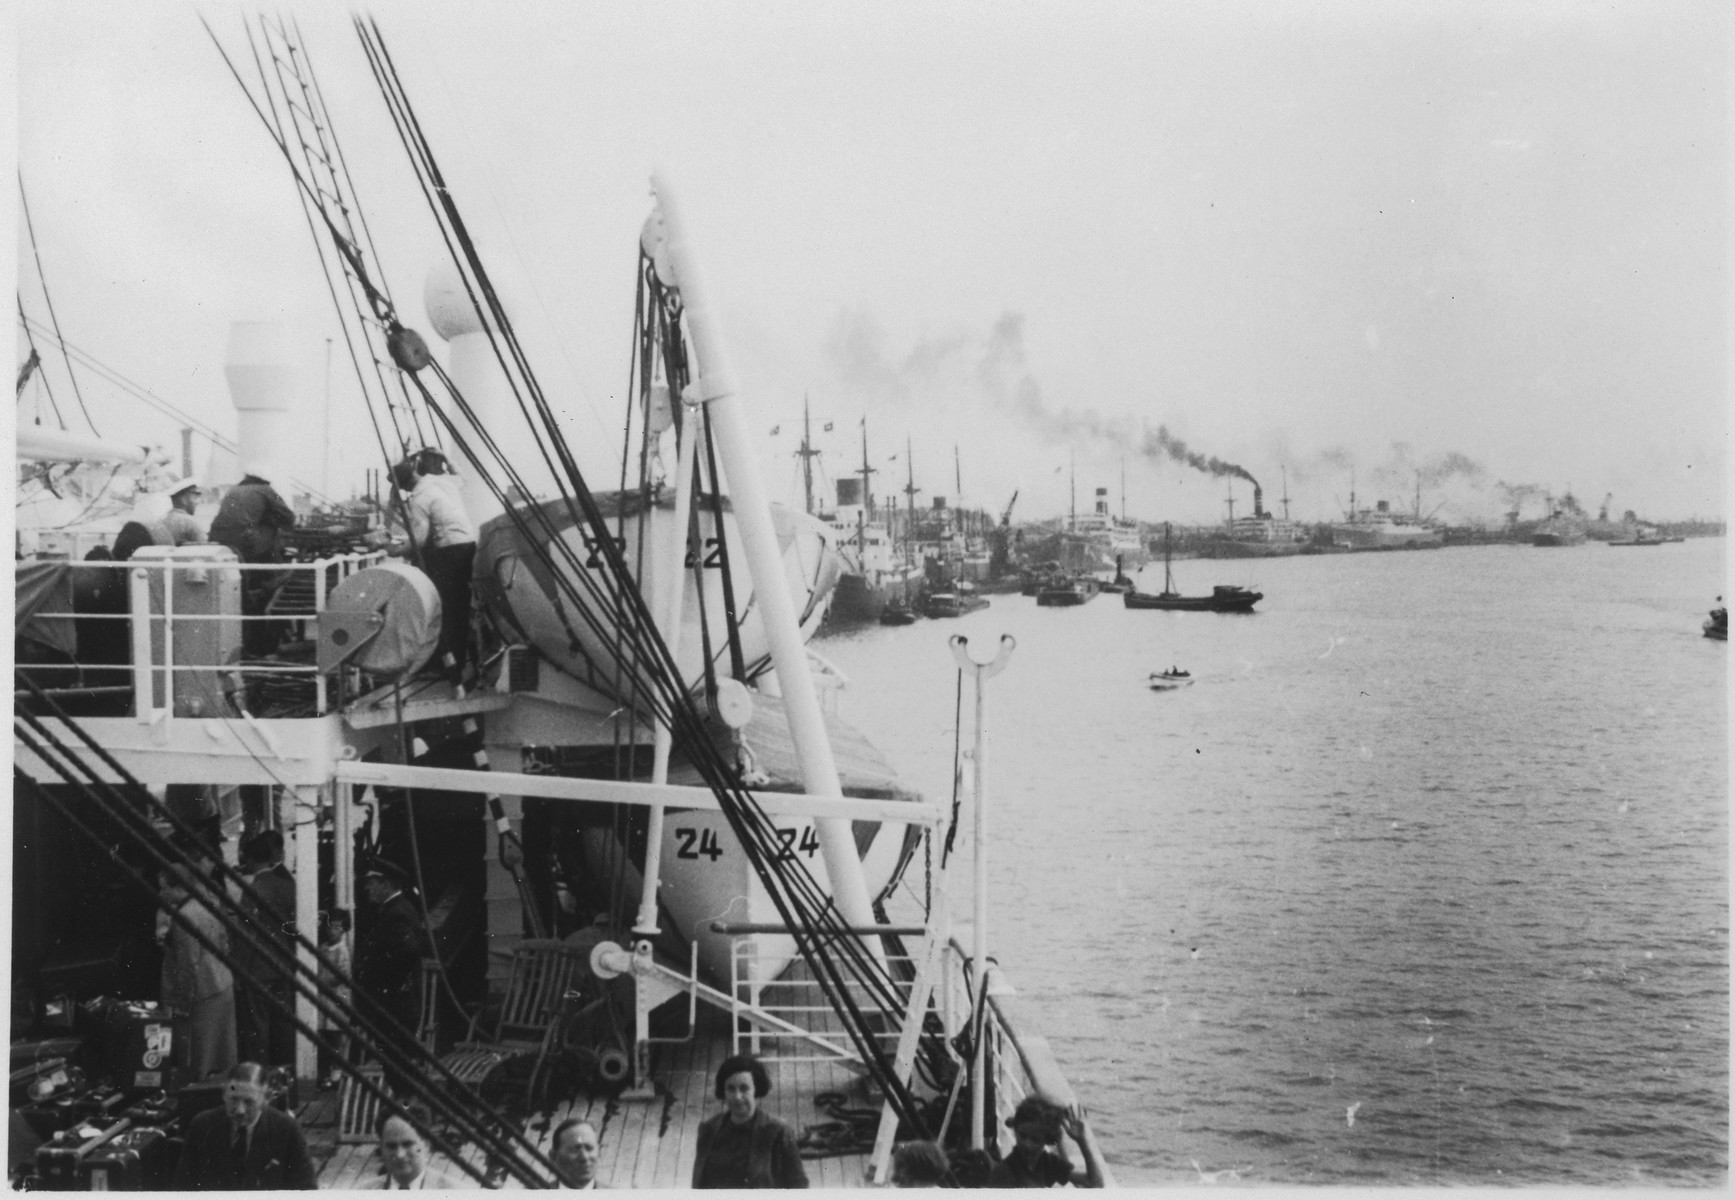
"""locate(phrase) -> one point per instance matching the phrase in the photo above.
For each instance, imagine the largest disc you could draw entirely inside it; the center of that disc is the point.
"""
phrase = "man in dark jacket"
(251, 522)
(246, 1145)
(390, 946)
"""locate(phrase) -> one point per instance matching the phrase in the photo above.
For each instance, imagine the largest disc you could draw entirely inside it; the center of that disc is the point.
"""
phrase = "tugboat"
(955, 603)
(1120, 584)
(1225, 597)
(1717, 628)
(1068, 592)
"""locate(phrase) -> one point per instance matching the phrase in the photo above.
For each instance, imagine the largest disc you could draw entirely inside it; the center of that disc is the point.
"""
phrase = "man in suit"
(246, 1145)
(405, 1155)
(391, 942)
(575, 1154)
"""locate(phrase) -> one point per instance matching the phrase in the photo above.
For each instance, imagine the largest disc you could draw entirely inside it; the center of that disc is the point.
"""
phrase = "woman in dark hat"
(744, 1146)
(1037, 1161)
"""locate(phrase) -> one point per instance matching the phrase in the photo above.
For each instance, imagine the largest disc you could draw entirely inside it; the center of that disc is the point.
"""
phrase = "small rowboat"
(1168, 681)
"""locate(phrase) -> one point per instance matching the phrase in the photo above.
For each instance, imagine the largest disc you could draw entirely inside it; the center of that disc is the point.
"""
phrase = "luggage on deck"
(131, 1043)
(133, 1161)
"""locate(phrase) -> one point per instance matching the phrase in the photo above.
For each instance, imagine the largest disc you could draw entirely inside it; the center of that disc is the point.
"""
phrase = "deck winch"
(384, 620)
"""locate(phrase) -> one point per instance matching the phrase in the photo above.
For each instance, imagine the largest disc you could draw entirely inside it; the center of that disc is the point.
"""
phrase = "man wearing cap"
(246, 1145)
(182, 525)
(390, 946)
(250, 522)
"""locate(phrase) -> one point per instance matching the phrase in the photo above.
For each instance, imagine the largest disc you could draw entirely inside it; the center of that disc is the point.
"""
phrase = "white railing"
(796, 999)
(187, 630)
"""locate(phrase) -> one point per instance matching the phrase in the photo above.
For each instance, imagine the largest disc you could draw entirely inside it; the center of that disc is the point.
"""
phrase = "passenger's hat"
(181, 485)
(375, 867)
(1033, 1110)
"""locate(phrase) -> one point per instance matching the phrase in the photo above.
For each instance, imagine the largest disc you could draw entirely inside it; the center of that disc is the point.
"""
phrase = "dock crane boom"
(1006, 516)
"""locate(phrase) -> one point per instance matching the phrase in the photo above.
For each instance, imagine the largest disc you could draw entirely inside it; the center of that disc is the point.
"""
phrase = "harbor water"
(1423, 881)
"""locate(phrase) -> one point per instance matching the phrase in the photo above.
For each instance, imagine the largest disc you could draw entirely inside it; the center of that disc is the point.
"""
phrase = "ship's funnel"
(848, 492)
(1258, 501)
(263, 381)
(476, 373)
(1102, 502)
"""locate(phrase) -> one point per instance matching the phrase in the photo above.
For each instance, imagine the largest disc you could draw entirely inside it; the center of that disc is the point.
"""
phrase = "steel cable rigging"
(362, 1017)
(611, 607)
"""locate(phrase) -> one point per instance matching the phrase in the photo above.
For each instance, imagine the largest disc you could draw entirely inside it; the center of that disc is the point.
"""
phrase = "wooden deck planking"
(633, 1120)
(653, 1144)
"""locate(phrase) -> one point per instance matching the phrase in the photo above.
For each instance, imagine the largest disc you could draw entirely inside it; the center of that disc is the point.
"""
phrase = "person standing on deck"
(575, 1151)
(197, 989)
(182, 525)
(267, 1034)
(251, 522)
(440, 529)
(334, 972)
(246, 1145)
(389, 952)
(1036, 1162)
(744, 1146)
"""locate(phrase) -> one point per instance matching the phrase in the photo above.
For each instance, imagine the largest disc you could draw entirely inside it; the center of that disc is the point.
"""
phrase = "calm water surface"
(1425, 880)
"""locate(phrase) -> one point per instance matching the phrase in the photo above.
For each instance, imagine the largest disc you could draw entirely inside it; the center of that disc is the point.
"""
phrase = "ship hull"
(1356, 537)
(1234, 600)
(857, 597)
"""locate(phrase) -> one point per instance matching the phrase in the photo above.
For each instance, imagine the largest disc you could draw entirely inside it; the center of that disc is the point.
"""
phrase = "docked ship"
(876, 571)
(1565, 525)
(1381, 528)
(1261, 535)
(642, 836)
(1110, 539)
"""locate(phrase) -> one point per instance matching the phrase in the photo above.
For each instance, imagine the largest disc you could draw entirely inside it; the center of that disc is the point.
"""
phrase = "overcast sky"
(1482, 241)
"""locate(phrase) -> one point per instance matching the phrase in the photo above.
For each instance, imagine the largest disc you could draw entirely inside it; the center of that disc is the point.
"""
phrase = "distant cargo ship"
(1566, 525)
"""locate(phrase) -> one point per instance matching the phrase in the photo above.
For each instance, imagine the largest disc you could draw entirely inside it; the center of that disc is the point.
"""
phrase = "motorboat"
(1168, 681)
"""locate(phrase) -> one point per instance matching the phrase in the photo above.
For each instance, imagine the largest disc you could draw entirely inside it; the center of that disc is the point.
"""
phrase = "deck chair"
(357, 1108)
(543, 971)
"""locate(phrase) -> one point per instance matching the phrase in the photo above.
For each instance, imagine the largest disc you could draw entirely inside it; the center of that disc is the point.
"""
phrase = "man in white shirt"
(441, 531)
(405, 1154)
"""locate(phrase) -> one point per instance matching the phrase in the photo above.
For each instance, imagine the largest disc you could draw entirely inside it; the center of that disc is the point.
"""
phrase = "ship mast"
(866, 499)
(1286, 493)
(1123, 491)
(807, 453)
(910, 490)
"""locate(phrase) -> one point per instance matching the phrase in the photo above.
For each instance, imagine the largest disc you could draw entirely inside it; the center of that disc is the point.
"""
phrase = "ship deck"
(644, 1144)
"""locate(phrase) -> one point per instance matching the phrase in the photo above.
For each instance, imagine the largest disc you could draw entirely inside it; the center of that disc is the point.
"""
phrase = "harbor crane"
(1006, 516)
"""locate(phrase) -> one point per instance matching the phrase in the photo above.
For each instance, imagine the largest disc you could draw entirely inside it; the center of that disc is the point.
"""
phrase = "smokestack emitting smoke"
(1012, 388)
(1161, 443)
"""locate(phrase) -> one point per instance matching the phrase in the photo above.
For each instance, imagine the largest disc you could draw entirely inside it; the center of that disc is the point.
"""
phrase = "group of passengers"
(249, 1145)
